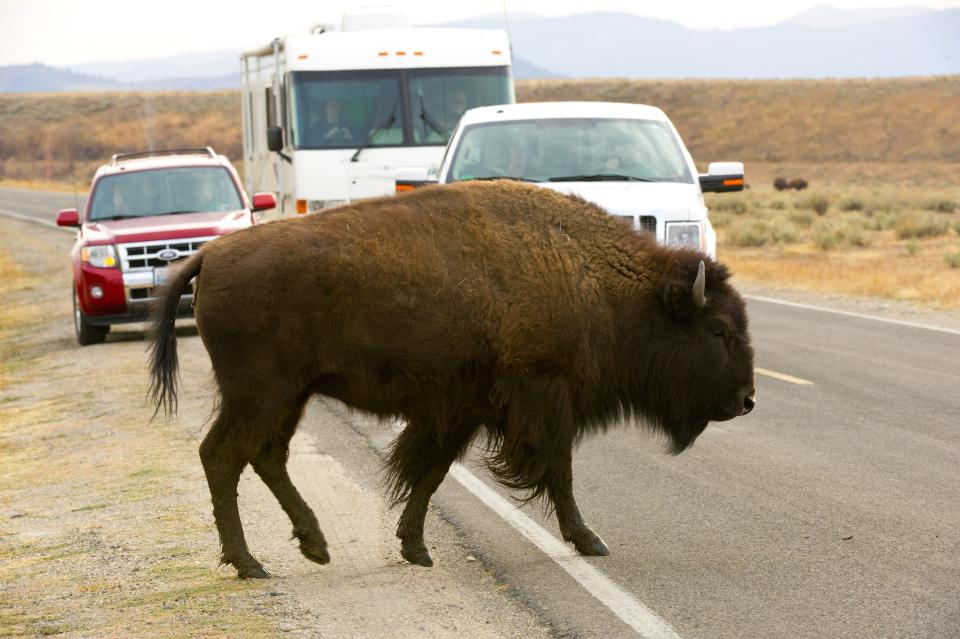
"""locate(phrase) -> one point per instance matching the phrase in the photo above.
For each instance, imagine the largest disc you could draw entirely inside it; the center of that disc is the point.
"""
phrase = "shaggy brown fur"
(485, 307)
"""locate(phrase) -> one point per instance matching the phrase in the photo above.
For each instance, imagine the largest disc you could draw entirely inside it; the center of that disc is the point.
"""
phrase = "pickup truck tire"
(87, 333)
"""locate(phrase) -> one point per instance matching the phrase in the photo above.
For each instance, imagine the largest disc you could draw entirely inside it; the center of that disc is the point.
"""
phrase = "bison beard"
(492, 308)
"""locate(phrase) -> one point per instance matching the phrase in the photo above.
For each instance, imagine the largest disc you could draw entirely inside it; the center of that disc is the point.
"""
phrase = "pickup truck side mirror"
(275, 138)
(413, 178)
(68, 217)
(264, 201)
(722, 177)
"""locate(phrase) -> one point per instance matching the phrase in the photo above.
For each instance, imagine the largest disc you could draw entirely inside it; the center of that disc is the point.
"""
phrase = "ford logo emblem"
(168, 255)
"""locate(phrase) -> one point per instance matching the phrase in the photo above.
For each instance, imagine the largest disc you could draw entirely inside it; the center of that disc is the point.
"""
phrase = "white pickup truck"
(628, 158)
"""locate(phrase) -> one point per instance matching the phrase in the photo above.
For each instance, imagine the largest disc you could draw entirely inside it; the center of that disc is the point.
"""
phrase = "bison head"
(702, 368)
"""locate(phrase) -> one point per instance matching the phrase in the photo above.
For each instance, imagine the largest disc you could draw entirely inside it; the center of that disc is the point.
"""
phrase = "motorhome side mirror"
(275, 138)
(722, 177)
(68, 217)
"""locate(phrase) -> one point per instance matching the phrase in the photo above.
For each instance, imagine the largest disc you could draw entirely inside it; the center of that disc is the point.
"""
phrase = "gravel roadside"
(105, 520)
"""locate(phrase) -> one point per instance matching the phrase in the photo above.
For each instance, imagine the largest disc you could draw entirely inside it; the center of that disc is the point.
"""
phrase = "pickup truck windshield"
(198, 189)
(349, 109)
(570, 150)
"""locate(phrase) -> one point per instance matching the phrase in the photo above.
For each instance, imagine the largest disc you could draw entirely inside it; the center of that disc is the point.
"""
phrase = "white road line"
(27, 218)
(875, 318)
(621, 603)
(782, 376)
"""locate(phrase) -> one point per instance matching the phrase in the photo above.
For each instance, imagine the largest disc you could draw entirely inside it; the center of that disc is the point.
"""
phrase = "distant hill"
(195, 66)
(819, 43)
(39, 78)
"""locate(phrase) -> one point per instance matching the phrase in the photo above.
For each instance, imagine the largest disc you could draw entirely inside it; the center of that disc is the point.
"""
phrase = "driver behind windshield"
(329, 127)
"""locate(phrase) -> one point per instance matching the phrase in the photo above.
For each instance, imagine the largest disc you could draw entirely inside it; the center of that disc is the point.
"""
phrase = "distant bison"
(782, 184)
(498, 308)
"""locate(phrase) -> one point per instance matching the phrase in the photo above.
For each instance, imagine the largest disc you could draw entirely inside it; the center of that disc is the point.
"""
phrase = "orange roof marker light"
(401, 53)
(418, 53)
(497, 52)
(302, 56)
(383, 54)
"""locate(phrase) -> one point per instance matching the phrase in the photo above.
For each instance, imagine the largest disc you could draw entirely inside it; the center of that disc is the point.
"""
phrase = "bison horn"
(699, 287)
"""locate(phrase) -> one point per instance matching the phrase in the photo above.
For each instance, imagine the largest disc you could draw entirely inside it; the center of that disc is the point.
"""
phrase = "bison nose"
(749, 401)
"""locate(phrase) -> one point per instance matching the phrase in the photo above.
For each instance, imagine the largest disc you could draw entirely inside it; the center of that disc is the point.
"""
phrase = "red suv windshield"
(163, 192)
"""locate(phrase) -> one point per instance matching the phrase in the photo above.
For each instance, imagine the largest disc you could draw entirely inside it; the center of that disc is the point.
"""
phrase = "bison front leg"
(418, 462)
(538, 435)
(572, 527)
(410, 527)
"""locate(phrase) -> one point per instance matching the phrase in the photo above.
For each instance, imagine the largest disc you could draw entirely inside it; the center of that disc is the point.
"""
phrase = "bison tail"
(163, 337)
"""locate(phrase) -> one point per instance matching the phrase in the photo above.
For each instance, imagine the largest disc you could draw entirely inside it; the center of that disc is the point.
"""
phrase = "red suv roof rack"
(188, 150)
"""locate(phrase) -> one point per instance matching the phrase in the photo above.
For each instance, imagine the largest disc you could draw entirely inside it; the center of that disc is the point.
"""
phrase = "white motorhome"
(330, 116)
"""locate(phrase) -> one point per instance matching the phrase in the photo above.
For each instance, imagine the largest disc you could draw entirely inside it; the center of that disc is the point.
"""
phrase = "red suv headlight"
(101, 256)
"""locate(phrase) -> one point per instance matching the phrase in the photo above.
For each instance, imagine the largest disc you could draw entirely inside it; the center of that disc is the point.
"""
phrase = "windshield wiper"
(430, 120)
(386, 124)
(516, 178)
(600, 177)
(113, 218)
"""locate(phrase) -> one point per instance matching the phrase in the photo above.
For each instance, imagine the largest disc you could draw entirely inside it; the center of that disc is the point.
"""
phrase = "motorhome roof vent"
(369, 20)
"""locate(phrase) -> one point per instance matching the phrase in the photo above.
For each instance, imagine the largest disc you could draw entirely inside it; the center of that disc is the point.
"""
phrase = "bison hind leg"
(224, 458)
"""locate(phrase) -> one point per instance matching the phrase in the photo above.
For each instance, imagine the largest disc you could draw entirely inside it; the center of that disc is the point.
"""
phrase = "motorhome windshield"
(570, 150)
(396, 107)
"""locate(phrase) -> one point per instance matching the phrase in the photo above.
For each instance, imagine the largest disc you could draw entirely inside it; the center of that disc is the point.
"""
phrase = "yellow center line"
(782, 377)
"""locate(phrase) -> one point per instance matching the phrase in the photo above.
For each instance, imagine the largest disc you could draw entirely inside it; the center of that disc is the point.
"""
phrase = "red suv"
(147, 210)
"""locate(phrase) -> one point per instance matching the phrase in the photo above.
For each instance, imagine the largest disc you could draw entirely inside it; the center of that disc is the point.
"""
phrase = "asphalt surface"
(832, 510)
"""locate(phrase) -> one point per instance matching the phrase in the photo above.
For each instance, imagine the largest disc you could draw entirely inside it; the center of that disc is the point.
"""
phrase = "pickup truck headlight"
(685, 234)
(101, 256)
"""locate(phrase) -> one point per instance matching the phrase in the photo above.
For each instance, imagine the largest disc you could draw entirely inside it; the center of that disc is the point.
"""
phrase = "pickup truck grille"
(143, 255)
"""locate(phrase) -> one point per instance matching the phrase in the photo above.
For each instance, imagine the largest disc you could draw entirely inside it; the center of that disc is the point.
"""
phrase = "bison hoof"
(253, 571)
(316, 553)
(592, 548)
(416, 555)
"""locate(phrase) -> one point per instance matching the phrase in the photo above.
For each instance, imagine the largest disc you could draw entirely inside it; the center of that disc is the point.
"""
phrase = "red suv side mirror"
(264, 201)
(68, 217)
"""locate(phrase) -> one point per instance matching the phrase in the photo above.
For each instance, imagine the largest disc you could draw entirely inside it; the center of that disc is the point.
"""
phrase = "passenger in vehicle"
(456, 105)
(122, 201)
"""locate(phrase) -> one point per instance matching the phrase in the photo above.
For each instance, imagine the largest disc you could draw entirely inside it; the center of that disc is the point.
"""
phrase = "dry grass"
(879, 236)
(104, 530)
(12, 316)
(882, 120)
(59, 137)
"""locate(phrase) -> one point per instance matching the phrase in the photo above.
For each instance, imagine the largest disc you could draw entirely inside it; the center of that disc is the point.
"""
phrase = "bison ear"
(682, 297)
(678, 298)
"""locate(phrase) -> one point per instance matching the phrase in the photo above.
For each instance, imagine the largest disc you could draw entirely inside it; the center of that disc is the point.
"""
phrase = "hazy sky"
(63, 32)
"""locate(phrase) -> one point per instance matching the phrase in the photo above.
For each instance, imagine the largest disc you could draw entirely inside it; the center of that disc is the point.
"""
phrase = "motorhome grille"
(143, 255)
(646, 224)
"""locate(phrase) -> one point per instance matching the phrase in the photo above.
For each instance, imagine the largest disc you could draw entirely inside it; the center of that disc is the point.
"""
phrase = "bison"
(497, 310)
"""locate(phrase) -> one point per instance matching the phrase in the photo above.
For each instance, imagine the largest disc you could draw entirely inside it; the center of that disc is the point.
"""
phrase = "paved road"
(39, 205)
(833, 510)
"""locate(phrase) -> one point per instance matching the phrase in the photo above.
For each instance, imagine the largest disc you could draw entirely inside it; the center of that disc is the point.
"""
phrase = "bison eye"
(718, 332)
